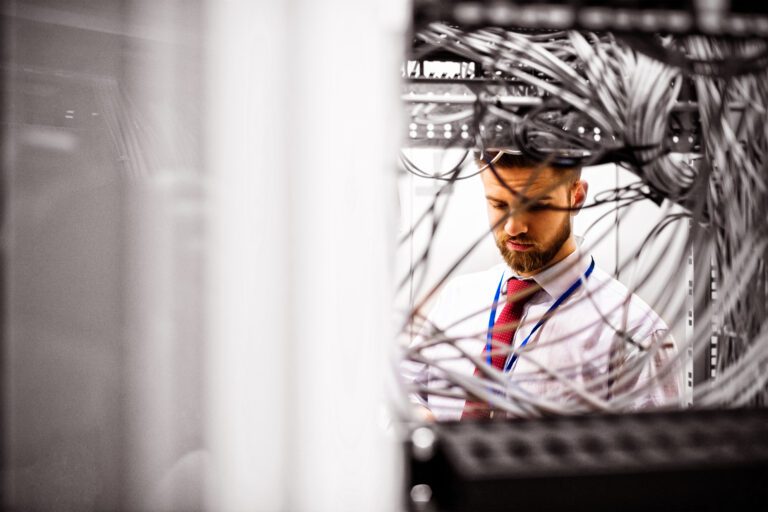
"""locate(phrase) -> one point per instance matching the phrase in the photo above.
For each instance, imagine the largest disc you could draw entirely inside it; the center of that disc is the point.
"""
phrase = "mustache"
(520, 239)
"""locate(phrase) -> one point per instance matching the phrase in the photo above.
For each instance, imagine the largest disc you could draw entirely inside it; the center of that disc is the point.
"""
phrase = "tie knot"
(516, 286)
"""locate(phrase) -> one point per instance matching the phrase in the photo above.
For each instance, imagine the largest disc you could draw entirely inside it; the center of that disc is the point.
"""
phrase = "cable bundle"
(626, 93)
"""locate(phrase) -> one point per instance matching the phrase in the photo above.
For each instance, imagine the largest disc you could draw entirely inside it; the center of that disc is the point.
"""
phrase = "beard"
(535, 258)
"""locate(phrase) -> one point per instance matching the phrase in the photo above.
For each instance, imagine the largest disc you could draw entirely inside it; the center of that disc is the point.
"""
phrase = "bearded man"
(546, 330)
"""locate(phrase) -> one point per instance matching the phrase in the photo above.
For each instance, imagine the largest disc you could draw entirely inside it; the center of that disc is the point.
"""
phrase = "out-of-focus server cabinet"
(100, 250)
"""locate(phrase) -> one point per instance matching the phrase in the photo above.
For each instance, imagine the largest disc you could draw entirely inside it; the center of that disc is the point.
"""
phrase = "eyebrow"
(546, 197)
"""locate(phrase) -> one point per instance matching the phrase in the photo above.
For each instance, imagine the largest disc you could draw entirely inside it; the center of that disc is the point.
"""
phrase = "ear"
(578, 195)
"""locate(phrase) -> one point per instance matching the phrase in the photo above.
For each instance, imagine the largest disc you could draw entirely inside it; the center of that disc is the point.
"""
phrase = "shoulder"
(476, 281)
(623, 304)
(467, 293)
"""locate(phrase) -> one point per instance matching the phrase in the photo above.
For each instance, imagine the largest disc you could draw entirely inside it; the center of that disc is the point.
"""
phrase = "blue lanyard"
(492, 319)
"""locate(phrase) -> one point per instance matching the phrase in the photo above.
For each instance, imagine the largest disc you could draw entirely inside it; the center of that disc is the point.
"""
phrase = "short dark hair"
(512, 159)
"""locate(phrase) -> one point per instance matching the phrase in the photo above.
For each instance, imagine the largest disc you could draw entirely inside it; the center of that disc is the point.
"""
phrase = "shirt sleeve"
(649, 374)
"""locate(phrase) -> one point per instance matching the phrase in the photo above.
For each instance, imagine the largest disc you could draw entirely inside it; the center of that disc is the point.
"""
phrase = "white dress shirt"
(566, 363)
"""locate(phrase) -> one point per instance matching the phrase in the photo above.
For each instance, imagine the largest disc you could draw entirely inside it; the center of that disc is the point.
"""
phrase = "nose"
(516, 225)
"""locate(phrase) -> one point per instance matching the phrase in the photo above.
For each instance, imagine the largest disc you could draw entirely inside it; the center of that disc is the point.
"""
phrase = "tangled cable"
(603, 99)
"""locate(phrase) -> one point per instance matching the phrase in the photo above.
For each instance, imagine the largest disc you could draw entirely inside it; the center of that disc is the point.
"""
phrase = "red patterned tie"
(502, 338)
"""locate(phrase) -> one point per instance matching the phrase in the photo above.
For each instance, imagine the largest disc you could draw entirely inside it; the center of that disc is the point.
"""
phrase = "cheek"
(496, 217)
(545, 223)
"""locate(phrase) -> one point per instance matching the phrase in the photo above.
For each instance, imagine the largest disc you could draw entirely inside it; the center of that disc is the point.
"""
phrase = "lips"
(514, 246)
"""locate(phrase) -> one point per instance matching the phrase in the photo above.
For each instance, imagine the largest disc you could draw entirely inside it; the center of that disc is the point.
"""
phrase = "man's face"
(536, 234)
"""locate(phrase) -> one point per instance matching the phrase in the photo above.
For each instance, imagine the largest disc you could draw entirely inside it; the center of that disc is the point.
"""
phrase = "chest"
(566, 338)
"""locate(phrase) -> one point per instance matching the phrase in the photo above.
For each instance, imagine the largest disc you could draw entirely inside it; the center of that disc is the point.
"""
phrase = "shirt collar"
(556, 280)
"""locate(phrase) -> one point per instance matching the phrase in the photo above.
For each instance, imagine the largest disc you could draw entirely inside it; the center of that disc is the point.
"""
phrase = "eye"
(498, 206)
(536, 207)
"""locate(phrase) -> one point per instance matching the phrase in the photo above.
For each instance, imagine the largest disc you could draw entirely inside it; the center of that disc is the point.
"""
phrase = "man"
(547, 330)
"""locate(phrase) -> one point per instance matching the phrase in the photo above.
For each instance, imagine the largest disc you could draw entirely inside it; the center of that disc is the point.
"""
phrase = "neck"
(565, 250)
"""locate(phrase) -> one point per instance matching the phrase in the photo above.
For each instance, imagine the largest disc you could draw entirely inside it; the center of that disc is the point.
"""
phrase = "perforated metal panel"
(694, 460)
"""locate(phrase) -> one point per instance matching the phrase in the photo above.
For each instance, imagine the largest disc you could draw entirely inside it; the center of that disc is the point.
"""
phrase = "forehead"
(530, 180)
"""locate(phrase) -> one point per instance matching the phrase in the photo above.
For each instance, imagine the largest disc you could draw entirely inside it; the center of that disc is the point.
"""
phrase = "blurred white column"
(345, 120)
(248, 252)
(301, 133)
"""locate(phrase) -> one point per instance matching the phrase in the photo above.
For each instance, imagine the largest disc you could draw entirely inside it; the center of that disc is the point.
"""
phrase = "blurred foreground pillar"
(301, 101)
